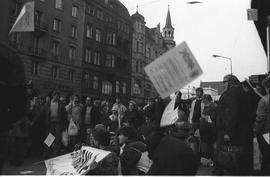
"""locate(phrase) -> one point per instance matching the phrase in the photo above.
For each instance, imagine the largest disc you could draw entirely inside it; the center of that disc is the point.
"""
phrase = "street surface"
(35, 166)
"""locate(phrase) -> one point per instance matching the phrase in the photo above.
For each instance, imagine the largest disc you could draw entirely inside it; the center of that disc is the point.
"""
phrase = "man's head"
(75, 99)
(199, 92)
(88, 101)
(207, 98)
(131, 105)
(96, 102)
(117, 100)
(230, 81)
(127, 133)
(101, 137)
(56, 96)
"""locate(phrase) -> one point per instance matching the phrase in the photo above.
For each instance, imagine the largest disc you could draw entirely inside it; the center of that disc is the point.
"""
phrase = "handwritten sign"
(170, 115)
(173, 70)
(49, 140)
(75, 163)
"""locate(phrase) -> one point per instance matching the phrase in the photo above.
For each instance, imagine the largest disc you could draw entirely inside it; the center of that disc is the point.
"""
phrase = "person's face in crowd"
(117, 100)
(131, 106)
(122, 138)
(105, 108)
(225, 83)
(88, 101)
(198, 94)
(245, 88)
(96, 103)
(75, 100)
(55, 97)
(206, 101)
(95, 142)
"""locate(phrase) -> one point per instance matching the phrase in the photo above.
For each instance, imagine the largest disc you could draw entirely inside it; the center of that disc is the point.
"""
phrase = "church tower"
(168, 32)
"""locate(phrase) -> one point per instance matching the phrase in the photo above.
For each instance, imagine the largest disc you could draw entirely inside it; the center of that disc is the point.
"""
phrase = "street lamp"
(219, 56)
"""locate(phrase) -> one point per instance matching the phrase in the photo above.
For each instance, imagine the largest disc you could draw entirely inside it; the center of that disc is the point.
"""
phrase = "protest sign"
(266, 137)
(173, 70)
(49, 140)
(75, 163)
(170, 115)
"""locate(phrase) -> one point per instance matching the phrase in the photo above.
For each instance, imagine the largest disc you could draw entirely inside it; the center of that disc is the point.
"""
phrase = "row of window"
(35, 69)
(100, 15)
(110, 36)
(107, 86)
(72, 50)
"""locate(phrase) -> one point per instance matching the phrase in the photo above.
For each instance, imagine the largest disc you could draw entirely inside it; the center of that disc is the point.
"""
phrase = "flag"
(25, 20)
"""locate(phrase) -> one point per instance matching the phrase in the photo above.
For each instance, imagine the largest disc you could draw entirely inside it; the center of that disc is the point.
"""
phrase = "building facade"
(51, 54)
(147, 45)
(106, 50)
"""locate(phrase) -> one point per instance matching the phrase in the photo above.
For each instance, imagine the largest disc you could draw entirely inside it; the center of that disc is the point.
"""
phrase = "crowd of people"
(133, 135)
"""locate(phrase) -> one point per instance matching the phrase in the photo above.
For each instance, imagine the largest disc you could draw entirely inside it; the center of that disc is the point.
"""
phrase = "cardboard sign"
(173, 70)
(170, 115)
(75, 163)
(49, 140)
(252, 14)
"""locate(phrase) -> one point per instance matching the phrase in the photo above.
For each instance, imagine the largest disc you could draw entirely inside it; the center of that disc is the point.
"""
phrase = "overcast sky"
(212, 27)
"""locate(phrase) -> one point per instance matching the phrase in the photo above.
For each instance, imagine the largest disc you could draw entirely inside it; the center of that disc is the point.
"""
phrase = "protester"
(121, 109)
(132, 116)
(233, 125)
(170, 155)
(196, 110)
(56, 120)
(207, 128)
(109, 165)
(131, 151)
(74, 111)
(113, 121)
(262, 126)
(86, 120)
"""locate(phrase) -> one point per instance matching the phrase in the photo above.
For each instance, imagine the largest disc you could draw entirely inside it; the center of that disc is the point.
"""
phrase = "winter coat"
(173, 157)
(130, 156)
(262, 123)
(192, 110)
(232, 118)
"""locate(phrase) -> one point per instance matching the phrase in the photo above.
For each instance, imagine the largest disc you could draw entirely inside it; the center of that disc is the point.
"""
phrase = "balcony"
(41, 27)
(39, 52)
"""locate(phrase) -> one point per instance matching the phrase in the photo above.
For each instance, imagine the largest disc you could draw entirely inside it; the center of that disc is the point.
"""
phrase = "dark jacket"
(62, 115)
(173, 157)
(232, 118)
(94, 116)
(134, 118)
(130, 157)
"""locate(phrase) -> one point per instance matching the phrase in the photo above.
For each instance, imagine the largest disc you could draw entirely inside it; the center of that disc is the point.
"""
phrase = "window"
(74, 32)
(101, 15)
(138, 43)
(124, 88)
(97, 58)
(98, 14)
(89, 31)
(54, 71)
(110, 61)
(88, 56)
(136, 88)
(72, 53)
(74, 11)
(106, 87)
(35, 68)
(71, 75)
(55, 49)
(59, 4)
(57, 25)
(38, 18)
(117, 86)
(95, 82)
(98, 35)
(111, 38)
(92, 11)
(86, 80)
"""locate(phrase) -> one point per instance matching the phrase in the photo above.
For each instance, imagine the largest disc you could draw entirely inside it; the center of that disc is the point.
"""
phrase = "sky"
(217, 27)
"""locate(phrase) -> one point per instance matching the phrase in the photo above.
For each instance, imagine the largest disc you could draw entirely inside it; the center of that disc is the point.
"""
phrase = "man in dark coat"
(171, 156)
(12, 93)
(233, 123)
(133, 117)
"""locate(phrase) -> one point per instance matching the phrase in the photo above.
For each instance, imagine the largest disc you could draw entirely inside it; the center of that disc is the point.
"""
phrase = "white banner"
(25, 20)
(173, 70)
(75, 163)
(170, 115)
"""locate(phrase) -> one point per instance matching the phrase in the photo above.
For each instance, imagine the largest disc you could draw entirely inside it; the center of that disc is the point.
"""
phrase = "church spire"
(168, 19)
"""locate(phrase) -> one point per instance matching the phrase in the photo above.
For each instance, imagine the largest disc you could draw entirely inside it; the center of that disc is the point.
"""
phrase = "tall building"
(51, 54)
(106, 50)
(147, 45)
